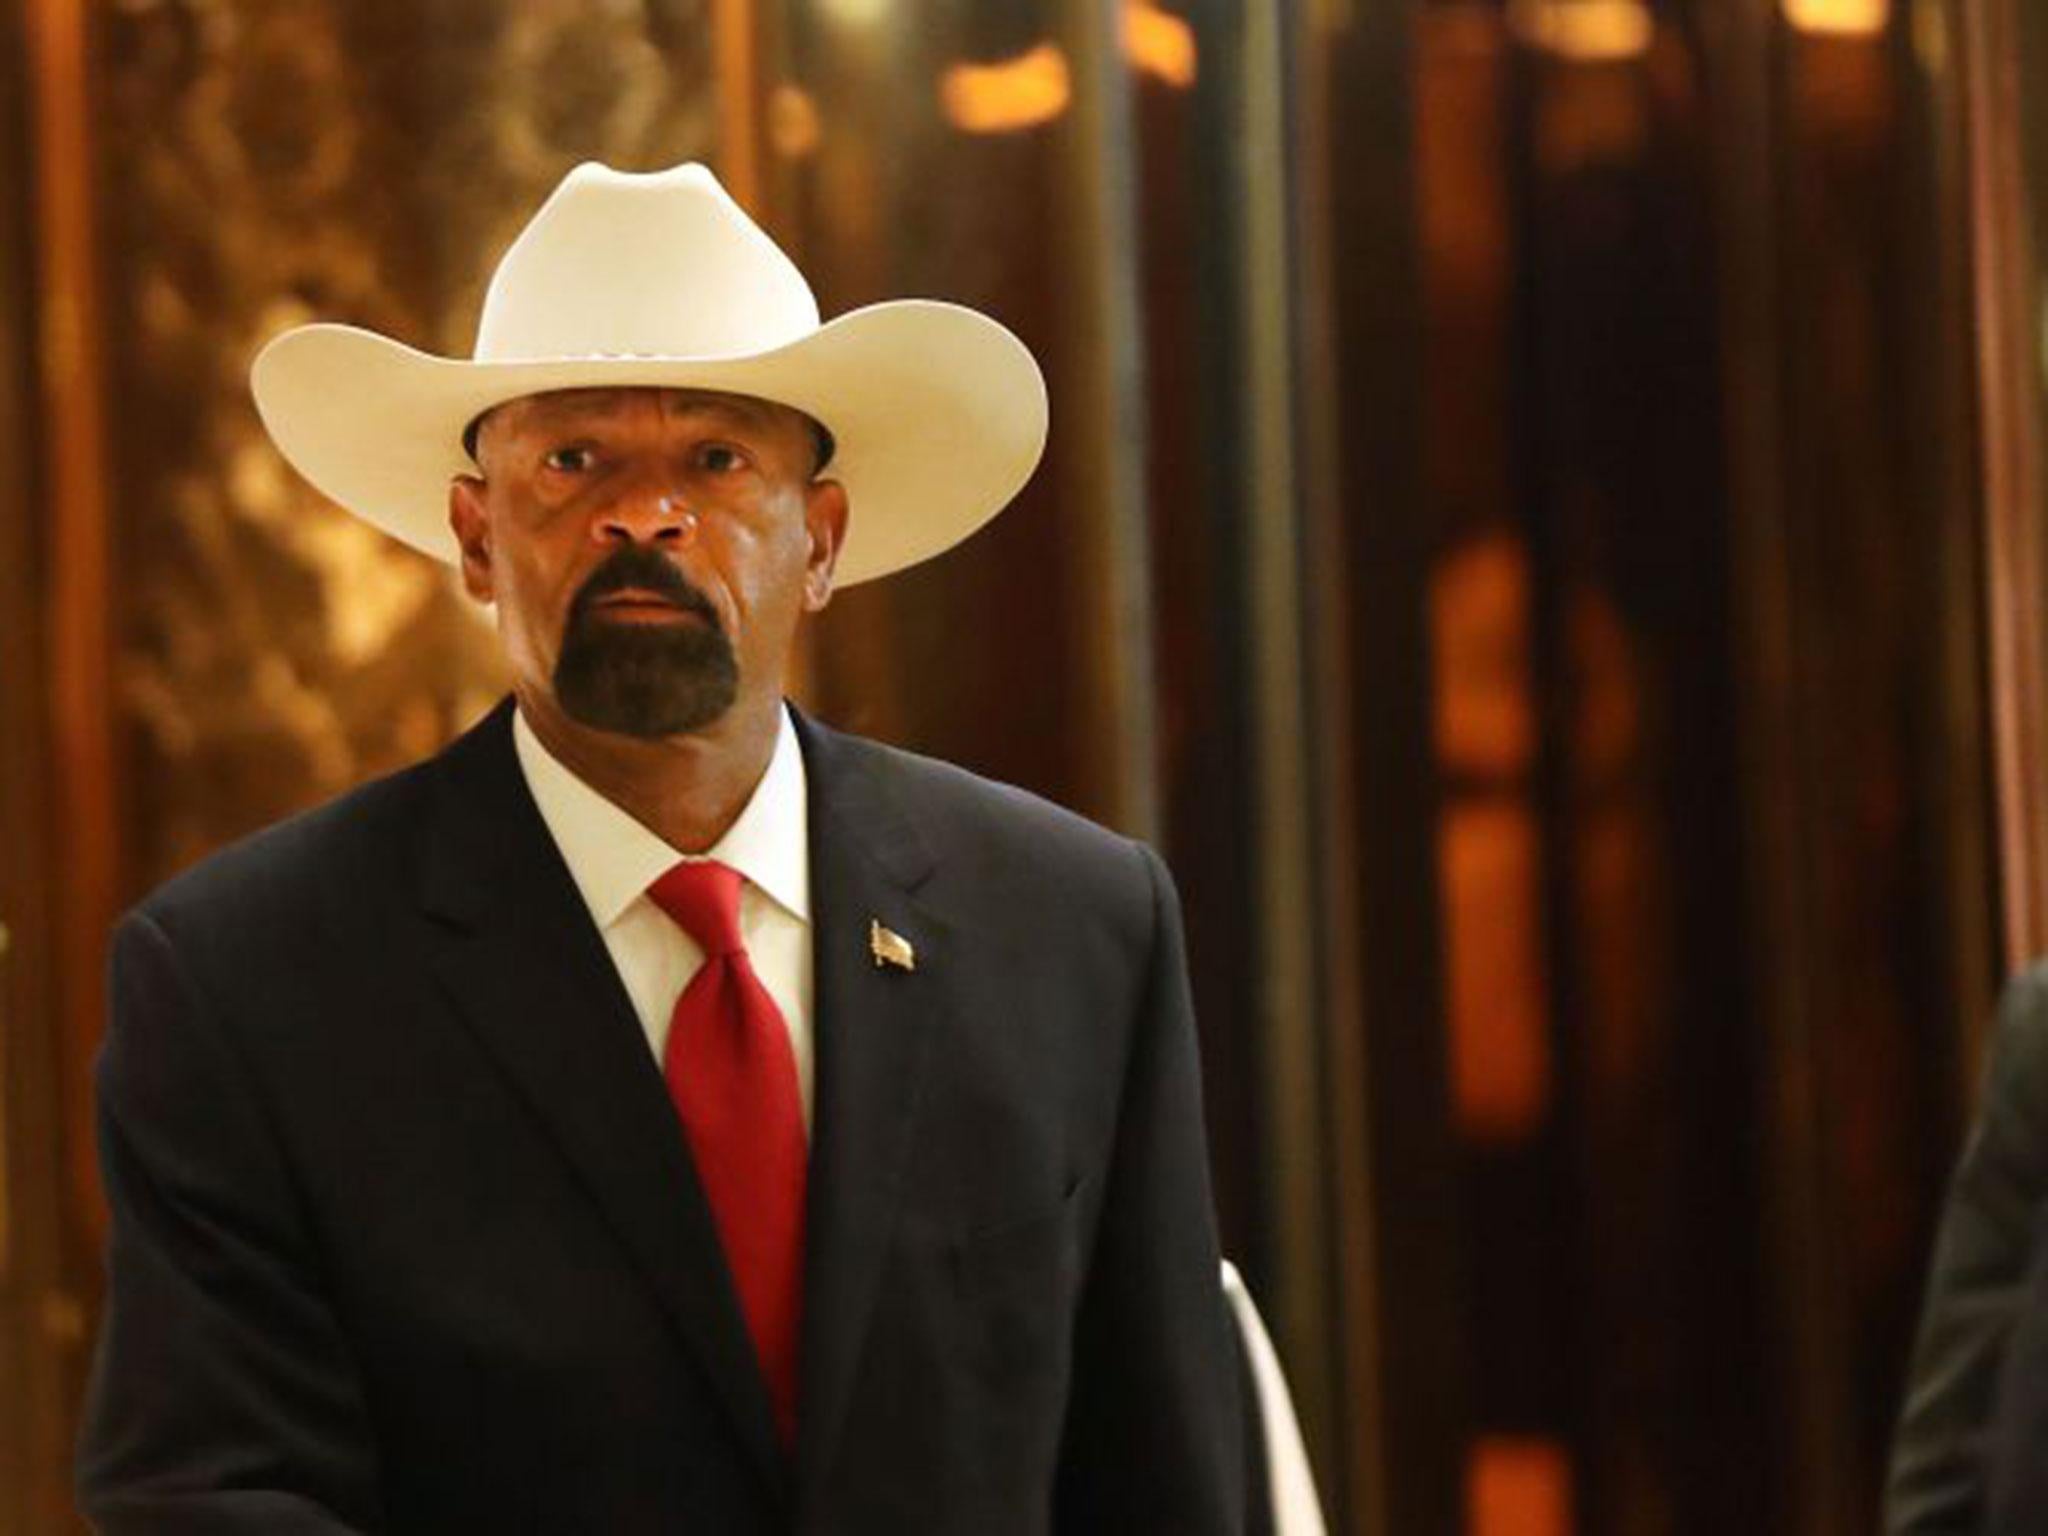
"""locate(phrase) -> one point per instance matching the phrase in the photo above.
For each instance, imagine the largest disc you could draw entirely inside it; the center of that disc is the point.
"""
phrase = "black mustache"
(637, 566)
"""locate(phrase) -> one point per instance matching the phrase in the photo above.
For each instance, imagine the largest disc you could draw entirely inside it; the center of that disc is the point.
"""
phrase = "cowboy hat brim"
(938, 414)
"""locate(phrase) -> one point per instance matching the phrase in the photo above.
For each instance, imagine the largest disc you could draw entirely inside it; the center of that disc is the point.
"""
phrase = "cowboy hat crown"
(743, 295)
(938, 412)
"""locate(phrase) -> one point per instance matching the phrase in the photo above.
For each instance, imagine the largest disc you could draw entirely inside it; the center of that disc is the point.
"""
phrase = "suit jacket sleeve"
(1942, 1455)
(1154, 1439)
(223, 1397)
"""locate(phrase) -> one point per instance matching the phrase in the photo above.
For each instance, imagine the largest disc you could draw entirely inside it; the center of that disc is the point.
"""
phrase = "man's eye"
(720, 458)
(570, 461)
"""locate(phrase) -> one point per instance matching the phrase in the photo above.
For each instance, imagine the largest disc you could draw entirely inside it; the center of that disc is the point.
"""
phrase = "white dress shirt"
(613, 859)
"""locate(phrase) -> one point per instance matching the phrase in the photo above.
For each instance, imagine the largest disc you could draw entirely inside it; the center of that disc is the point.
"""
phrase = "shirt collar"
(613, 858)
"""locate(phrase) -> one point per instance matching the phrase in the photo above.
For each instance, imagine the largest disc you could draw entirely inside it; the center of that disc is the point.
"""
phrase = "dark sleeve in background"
(1970, 1455)
(1154, 1439)
(222, 1398)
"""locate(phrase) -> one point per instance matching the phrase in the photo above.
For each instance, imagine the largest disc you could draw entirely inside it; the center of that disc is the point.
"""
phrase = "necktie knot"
(702, 896)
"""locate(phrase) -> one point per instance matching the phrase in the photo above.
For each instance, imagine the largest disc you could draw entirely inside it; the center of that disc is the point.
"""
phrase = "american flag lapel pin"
(890, 947)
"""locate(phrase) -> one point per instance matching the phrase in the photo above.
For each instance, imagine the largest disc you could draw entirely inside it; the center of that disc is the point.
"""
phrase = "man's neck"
(687, 790)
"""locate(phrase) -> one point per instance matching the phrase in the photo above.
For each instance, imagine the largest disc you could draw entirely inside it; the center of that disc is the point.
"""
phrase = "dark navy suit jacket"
(406, 1236)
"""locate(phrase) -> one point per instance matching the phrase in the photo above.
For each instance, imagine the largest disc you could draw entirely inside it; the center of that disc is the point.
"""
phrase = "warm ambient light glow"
(1479, 621)
(1023, 92)
(1839, 18)
(1034, 88)
(793, 126)
(1586, 31)
(855, 13)
(1518, 1486)
(1159, 44)
(1490, 866)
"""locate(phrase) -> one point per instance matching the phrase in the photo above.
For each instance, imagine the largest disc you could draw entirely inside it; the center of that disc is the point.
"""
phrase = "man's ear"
(825, 515)
(470, 520)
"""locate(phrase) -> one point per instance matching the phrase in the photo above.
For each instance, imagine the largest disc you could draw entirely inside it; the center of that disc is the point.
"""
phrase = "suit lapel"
(534, 983)
(873, 1031)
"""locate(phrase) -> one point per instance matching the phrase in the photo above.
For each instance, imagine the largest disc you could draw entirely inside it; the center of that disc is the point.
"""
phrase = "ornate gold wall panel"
(269, 164)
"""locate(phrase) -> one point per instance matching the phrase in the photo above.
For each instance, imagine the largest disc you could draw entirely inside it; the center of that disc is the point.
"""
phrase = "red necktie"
(732, 1074)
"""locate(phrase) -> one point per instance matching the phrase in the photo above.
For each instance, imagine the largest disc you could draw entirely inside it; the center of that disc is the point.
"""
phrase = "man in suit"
(660, 1112)
(1970, 1456)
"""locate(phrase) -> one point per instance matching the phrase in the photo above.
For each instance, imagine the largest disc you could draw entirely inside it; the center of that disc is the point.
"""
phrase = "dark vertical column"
(1742, 79)
(1403, 1337)
(1859, 652)
(1108, 411)
(56, 773)
(1955, 735)
(61, 741)
(1188, 114)
(28, 1164)
(1290, 590)
(1646, 1166)
(76, 568)
(2003, 47)
(29, 1171)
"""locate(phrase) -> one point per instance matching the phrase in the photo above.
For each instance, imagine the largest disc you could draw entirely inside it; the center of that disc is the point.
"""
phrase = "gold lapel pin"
(890, 947)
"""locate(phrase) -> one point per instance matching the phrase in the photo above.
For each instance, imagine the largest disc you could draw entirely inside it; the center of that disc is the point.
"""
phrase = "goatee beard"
(644, 680)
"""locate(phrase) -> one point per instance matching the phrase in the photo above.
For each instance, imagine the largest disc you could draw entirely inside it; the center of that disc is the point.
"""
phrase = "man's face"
(649, 551)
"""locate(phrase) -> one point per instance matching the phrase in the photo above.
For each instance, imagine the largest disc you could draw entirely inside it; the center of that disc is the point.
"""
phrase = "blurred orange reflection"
(1479, 626)
(1586, 31)
(793, 126)
(1490, 860)
(1023, 92)
(1839, 18)
(1518, 1486)
(1159, 44)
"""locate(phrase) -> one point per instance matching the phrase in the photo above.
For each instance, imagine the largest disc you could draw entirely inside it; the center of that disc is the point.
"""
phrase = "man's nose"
(649, 513)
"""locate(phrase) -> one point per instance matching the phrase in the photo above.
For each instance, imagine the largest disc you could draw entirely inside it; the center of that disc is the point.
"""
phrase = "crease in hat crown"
(687, 276)
(662, 280)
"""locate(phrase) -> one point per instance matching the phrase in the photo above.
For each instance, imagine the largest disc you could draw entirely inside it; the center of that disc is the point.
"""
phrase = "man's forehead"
(581, 404)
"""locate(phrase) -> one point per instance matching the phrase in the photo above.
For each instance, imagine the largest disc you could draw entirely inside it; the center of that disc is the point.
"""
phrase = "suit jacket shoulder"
(281, 885)
(284, 874)
(999, 849)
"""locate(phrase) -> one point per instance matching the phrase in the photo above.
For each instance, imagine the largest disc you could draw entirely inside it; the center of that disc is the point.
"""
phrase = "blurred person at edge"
(1971, 1451)
(661, 1112)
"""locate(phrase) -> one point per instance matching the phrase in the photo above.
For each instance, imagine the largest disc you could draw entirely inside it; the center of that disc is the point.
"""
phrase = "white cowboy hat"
(938, 413)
